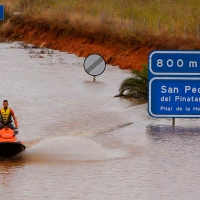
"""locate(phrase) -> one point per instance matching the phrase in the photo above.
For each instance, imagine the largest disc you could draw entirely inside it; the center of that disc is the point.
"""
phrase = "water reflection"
(8, 170)
(161, 130)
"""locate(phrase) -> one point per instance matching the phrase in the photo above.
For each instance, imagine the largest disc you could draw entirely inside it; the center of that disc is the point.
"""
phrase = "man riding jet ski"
(6, 115)
(9, 145)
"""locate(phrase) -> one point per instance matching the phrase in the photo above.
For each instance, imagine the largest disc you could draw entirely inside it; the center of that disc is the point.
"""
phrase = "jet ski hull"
(9, 145)
(9, 149)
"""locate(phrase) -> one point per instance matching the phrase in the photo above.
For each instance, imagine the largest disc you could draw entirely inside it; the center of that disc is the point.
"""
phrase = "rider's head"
(5, 103)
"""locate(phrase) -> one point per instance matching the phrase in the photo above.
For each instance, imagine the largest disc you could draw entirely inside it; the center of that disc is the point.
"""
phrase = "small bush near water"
(137, 86)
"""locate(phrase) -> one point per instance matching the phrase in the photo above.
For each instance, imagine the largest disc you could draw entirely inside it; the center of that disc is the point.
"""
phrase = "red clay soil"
(82, 39)
(79, 46)
(126, 56)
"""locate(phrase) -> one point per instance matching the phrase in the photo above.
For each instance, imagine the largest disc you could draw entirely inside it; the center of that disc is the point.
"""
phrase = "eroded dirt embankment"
(81, 41)
(129, 52)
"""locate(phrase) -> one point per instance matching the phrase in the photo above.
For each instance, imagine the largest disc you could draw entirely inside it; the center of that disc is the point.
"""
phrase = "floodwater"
(84, 144)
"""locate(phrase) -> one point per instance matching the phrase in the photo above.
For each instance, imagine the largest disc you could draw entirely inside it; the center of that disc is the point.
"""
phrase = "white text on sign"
(173, 90)
(178, 63)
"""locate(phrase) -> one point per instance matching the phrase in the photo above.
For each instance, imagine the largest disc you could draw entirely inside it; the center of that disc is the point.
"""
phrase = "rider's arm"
(14, 117)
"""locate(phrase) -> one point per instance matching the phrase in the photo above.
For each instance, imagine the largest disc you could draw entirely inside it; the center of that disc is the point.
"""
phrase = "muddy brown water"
(84, 144)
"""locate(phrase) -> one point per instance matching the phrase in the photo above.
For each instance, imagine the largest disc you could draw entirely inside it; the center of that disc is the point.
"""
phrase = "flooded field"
(82, 143)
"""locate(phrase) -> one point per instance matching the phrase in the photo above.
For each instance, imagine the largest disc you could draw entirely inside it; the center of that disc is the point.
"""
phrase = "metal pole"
(173, 122)
(184, 27)
(83, 14)
(92, 13)
(132, 22)
(18, 6)
(144, 24)
(10, 10)
(28, 7)
(42, 9)
(4, 4)
(94, 78)
(24, 7)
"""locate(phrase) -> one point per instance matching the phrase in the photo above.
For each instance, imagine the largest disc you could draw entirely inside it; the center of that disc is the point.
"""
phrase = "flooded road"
(85, 144)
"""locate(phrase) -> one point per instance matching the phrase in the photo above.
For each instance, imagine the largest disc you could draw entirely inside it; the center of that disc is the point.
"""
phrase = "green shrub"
(136, 86)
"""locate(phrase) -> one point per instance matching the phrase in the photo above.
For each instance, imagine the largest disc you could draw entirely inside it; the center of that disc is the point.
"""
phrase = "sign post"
(1, 12)
(174, 84)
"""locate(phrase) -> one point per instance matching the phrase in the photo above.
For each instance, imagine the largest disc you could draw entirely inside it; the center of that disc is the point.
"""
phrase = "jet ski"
(9, 145)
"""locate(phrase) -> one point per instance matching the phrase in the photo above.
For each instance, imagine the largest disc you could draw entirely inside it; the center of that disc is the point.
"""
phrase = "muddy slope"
(83, 39)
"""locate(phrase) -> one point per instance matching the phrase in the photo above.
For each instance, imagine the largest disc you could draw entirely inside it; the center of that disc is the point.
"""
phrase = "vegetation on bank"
(137, 86)
(166, 24)
(126, 17)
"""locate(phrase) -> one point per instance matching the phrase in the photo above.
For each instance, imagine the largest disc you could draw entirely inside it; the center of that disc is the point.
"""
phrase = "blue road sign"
(174, 62)
(177, 97)
(1, 12)
(174, 84)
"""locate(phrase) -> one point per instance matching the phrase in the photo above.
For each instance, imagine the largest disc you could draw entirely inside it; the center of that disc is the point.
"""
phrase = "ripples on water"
(85, 144)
